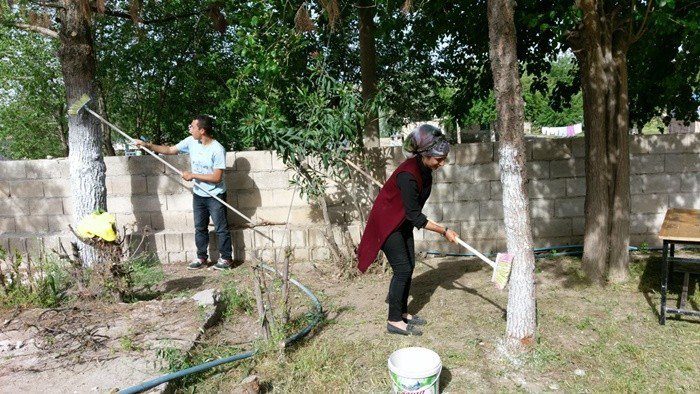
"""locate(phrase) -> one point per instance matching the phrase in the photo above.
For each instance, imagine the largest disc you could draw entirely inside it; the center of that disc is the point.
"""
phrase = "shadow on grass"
(445, 378)
(651, 271)
(445, 275)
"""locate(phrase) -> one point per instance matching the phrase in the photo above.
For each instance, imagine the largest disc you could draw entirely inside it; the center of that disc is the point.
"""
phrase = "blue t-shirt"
(205, 159)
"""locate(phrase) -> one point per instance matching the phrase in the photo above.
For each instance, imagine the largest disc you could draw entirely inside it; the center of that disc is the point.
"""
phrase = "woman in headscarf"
(396, 211)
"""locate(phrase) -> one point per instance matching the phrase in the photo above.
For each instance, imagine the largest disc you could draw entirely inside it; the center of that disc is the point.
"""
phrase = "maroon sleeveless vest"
(386, 216)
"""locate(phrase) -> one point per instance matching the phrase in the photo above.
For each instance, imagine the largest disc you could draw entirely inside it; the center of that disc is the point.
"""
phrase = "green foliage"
(32, 110)
(237, 300)
(27, 283)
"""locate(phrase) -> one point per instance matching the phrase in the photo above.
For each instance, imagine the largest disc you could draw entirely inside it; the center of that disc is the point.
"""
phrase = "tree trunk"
(368, 70)
(601, 46)
(521, 315)
(87, 167)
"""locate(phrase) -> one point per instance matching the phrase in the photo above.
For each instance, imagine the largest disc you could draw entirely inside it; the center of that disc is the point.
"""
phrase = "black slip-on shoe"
(410, 330)
(416, 321)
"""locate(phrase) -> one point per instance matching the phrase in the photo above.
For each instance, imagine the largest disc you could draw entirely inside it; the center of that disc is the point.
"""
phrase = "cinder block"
(647, 164)
(35, 248)
(56, 188)
(320, 254)
(473, 191)
(550, 149)
(656, 183)
(578, 225)
(537, 169)
(285, 198)
(59, 223)
(263, 238)
(452, 211)
(43, 169)
(569, 207)
(181, 161)
(548, 188)
(17, 245)
(473, 153)
(27, 189)
(689, 182)
(552, 227)
(252, 161)
(13, 206)
(649, 203)
(126, 185)
(298, 216)
(13, 169)
(355, 234)
(486, 172)
(441, 192)
(277, 162)
(668, 143)
(188, 242)
(46, 206)
(240, 180)
(567, 168)
(251, 198)
(433, 211)
(646, 223)
(144, 165)
(575, 187)
(173, 202)
(116, 166)
(301, 254)
(496, 190)
(177, 258)
(684, 200)
(578, 147)
(32, 224)
(446, 174)
(271, 180)
(541, 209)
(490, 210)
(687, 162)
(172, 221)
(166, 184)
(173, 242)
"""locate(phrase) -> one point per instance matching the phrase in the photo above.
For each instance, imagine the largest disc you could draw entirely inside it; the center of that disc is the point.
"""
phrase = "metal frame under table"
(681, 227)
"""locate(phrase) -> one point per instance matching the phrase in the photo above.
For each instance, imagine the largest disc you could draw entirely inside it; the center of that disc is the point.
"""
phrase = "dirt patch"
(588, 339)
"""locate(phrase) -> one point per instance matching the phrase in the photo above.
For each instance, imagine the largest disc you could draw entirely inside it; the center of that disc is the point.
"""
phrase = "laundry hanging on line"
(564, 131)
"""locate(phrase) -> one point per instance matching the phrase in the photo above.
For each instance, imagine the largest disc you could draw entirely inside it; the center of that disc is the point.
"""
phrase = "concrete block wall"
(36, 202)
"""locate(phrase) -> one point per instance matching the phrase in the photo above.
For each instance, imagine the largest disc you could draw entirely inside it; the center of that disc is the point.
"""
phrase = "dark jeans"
(204, 207)
(400, 252)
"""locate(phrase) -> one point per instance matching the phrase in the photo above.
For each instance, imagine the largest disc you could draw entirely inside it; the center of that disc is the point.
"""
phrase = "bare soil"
(589, 338)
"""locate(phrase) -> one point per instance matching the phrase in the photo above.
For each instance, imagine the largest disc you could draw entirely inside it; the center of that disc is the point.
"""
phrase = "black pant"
(400, 252)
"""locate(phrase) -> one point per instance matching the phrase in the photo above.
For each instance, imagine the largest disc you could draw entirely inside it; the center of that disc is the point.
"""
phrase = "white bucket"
(415, 370)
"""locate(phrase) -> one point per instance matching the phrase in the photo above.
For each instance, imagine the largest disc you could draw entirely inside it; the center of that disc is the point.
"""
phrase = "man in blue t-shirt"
(208, 159)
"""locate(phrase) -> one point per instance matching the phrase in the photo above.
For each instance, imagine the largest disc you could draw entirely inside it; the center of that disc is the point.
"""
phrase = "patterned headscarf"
(426, 140)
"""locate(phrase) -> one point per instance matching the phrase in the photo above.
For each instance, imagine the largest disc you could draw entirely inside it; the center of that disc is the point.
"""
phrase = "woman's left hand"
(451, 236)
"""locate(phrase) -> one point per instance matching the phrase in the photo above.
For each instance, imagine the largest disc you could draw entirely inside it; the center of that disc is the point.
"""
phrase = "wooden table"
(681, 226)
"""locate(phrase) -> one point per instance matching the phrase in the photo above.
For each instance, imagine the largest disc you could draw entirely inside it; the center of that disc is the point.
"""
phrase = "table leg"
(664, 284)
(684, 292)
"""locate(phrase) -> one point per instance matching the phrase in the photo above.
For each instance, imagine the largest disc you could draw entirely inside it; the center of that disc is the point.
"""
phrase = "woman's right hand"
(451, 235)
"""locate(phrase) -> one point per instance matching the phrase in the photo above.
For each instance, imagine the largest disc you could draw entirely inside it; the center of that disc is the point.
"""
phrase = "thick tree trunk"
(87, 167)
(601, 48)
(522, 306)
(368, 70)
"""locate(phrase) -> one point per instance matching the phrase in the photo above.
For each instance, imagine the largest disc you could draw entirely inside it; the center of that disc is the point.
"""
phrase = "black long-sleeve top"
(412, 200)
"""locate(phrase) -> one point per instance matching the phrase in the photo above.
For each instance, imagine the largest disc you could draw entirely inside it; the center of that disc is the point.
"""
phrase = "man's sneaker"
(223, 265)
(197, 264)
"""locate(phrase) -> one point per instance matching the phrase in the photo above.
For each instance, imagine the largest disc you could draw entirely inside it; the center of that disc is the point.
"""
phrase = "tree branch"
(37, 29)
(642, 28)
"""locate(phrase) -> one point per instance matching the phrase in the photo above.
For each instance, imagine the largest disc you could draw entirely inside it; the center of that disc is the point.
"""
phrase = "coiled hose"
(211, 364)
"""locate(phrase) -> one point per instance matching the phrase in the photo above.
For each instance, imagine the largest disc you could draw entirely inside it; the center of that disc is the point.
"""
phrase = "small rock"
(579, 372)
(19, 345)
(206, 297)
(249, 385)
(554, 387)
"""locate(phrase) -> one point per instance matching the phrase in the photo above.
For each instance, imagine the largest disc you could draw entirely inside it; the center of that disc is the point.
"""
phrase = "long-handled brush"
(84, 99)
(504, 261)
(501, 267)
